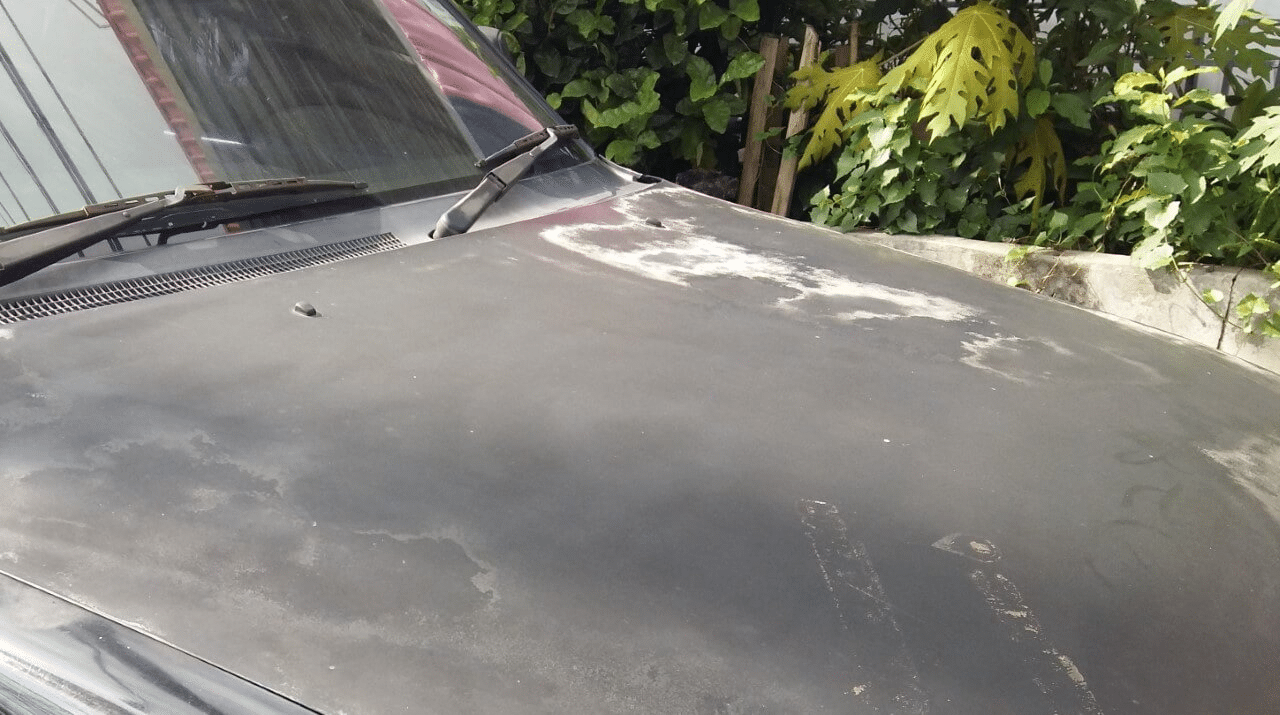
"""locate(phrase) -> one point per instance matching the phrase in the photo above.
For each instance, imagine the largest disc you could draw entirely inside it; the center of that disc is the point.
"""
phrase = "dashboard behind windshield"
(101, 99)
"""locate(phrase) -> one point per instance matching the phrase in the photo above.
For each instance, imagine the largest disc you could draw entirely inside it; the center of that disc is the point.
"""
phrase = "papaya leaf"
(843, 90)
(1182, 30)
(1041, 150)
(1229, 17)
(972, 68)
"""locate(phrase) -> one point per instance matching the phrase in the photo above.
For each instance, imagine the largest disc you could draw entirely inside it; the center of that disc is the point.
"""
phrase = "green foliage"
(1172, 187)
(1181, 185)
(959, 101)
(841, 90)
(903, 182)
(1055, 141)
(971, 69)
(1039, 151)
(652, 83)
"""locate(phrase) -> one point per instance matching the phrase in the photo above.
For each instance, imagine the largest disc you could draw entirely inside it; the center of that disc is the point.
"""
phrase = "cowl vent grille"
(94, 296)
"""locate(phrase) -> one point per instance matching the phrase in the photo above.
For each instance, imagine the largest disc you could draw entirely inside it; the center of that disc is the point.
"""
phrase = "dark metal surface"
(58, 659)
(658, 454)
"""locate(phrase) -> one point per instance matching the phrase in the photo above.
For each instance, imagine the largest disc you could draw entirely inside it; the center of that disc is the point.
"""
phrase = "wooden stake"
(756, 119)
(799, 119)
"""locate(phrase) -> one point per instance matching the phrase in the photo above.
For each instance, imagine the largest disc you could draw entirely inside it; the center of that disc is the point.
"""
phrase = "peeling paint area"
(676, 253)
(1254, 465)
(25, 399)
(970, 547)
(485, 580)
(893, 684)
(1009, 356)
(1058, 679)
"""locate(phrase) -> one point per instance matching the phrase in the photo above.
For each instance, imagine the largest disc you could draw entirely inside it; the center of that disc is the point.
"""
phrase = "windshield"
(103, 99)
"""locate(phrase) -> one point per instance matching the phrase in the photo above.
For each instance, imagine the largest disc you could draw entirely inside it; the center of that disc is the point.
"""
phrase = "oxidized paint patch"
(679, 252)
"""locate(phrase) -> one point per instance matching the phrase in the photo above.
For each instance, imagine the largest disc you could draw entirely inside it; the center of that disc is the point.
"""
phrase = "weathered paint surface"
(542, 469)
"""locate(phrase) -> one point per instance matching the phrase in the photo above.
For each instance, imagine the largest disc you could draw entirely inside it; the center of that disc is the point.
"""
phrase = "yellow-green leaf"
(1041, 151)
(843, 91)
(972, 68)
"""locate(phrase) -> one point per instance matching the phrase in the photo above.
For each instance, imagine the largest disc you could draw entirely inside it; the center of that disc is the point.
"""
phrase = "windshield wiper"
(513, 162)
(28, 247)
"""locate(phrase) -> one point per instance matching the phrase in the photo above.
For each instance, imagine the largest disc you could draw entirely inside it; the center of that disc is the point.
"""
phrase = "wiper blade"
(513, 162)
(28, 247)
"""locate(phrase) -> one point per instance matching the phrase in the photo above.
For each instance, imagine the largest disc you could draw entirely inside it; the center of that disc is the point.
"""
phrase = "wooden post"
(756, 119)
(799, 119)
(847, 55)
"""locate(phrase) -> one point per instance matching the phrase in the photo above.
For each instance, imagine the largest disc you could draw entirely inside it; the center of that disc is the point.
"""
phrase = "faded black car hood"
(657, 454)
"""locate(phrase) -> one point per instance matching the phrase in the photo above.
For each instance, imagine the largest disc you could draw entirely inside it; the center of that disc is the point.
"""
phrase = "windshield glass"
(102, 99)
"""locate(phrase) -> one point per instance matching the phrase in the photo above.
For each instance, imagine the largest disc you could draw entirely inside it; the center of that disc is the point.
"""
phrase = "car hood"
(659, 453)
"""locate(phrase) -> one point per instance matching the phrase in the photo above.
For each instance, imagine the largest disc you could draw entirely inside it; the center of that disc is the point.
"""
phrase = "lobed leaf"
(844, 90)
(1041, 150)
(971, 68)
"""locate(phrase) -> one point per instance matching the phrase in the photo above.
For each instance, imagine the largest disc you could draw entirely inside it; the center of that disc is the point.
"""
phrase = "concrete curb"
(1114, 285)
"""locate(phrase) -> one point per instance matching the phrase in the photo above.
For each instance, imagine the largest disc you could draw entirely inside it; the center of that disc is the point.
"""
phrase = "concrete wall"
(1114, 285)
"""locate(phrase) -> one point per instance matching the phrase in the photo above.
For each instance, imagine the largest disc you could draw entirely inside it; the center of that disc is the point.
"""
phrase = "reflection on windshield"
(101, 99)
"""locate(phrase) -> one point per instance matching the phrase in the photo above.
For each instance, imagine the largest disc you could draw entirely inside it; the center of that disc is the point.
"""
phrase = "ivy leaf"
(675, 48)
(702, 78)
(731, 27)
(589, 24)
(746, 10)
(1037, 102)
(580, 88)
(744, 65)
(1073, 108)
(548, 61)
(711, 15)
(622, 151)
(843, 90)
(972, 68)
(717, 113)
(1211, 295)
(646, 102)
(1041, 150)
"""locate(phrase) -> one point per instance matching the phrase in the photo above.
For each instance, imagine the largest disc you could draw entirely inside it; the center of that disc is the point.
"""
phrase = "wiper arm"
(515, 161)
(37, 244)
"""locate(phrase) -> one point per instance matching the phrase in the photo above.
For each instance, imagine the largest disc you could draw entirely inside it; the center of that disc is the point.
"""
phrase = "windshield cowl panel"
(128, 97)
